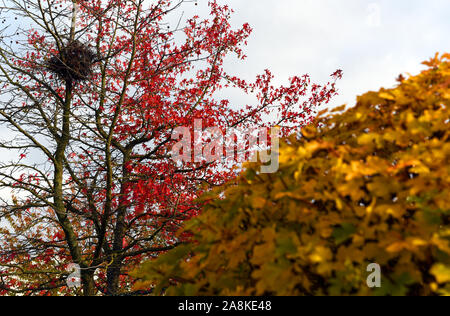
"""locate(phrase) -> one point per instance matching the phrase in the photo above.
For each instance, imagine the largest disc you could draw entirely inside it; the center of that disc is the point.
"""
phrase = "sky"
(371, 41)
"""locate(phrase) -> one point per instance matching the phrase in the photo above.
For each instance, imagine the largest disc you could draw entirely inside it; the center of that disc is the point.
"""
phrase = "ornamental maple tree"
(91, 93)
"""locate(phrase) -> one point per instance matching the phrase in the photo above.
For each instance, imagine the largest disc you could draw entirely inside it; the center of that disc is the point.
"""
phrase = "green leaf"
(343, 233)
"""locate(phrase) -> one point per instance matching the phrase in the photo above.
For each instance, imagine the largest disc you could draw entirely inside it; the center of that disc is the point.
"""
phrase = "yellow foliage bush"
(362, 186)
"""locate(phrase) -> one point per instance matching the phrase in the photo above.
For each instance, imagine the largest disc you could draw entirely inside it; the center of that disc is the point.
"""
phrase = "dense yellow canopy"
(367, 185)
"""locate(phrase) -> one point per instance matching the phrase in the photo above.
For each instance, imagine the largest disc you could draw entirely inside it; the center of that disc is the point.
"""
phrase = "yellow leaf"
(387, 96)
(258, 202)
(339, 108)
(321, 254)
(441, 272)
(397, 247)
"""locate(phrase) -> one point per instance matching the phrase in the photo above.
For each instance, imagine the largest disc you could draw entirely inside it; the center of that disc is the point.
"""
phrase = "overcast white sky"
(371, 41)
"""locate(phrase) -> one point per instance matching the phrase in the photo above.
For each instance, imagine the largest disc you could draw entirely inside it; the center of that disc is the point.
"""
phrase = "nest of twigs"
(73, 63)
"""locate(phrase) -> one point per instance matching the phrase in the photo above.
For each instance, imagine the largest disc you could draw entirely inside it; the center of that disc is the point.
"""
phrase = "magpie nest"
(73, 63)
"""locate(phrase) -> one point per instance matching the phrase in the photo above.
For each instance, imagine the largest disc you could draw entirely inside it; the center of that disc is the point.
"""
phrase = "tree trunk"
(113, 278)
(58, 182)
(88, 284)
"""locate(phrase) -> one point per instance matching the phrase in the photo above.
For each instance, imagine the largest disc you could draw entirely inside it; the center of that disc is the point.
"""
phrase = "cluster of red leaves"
(172, 80)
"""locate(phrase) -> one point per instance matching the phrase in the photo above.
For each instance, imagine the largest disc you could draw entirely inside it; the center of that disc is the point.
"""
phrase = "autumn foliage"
(367, 185)
(91, 93)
